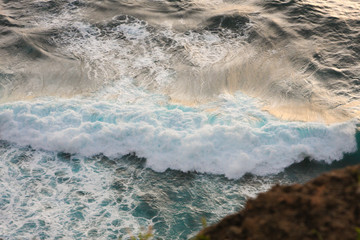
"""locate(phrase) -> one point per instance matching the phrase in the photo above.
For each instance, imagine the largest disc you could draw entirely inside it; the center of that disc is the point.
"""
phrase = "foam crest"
(229, 137)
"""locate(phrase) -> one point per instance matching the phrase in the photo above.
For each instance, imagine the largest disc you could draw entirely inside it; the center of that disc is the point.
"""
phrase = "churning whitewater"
(232, 140)
(117, 115)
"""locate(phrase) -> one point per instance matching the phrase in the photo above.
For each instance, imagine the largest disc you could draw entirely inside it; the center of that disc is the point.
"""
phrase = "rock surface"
(327, 207)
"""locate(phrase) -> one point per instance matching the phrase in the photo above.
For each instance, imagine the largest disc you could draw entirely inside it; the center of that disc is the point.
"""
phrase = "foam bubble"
(49, 195)
(231, 136)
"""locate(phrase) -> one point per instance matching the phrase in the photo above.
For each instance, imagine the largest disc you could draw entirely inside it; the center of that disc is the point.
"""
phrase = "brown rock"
(327, 207)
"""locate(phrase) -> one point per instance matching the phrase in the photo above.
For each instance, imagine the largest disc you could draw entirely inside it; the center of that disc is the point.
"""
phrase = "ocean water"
(119, 115)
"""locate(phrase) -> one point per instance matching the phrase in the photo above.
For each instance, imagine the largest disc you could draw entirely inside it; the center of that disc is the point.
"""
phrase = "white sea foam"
(123, 79)
(233, 139)
(45, 195)
(128, 72)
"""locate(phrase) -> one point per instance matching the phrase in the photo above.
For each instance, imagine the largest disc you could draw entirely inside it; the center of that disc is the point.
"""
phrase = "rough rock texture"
(327, 207)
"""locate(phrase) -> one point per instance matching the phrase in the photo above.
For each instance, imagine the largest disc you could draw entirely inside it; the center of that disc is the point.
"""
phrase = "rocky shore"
(327, 207)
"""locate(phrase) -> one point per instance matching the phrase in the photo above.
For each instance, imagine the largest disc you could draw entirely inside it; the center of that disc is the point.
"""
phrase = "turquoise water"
(62, 196)
(119, 115)
(234, 139)
(92, 190)
(56, 196)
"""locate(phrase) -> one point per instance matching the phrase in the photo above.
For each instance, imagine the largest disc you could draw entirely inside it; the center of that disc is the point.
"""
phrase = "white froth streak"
(235, 139)
(40, 197)
(39, 188)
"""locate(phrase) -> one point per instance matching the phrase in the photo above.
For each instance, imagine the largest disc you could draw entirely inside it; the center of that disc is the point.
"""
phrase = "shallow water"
(117, 115)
